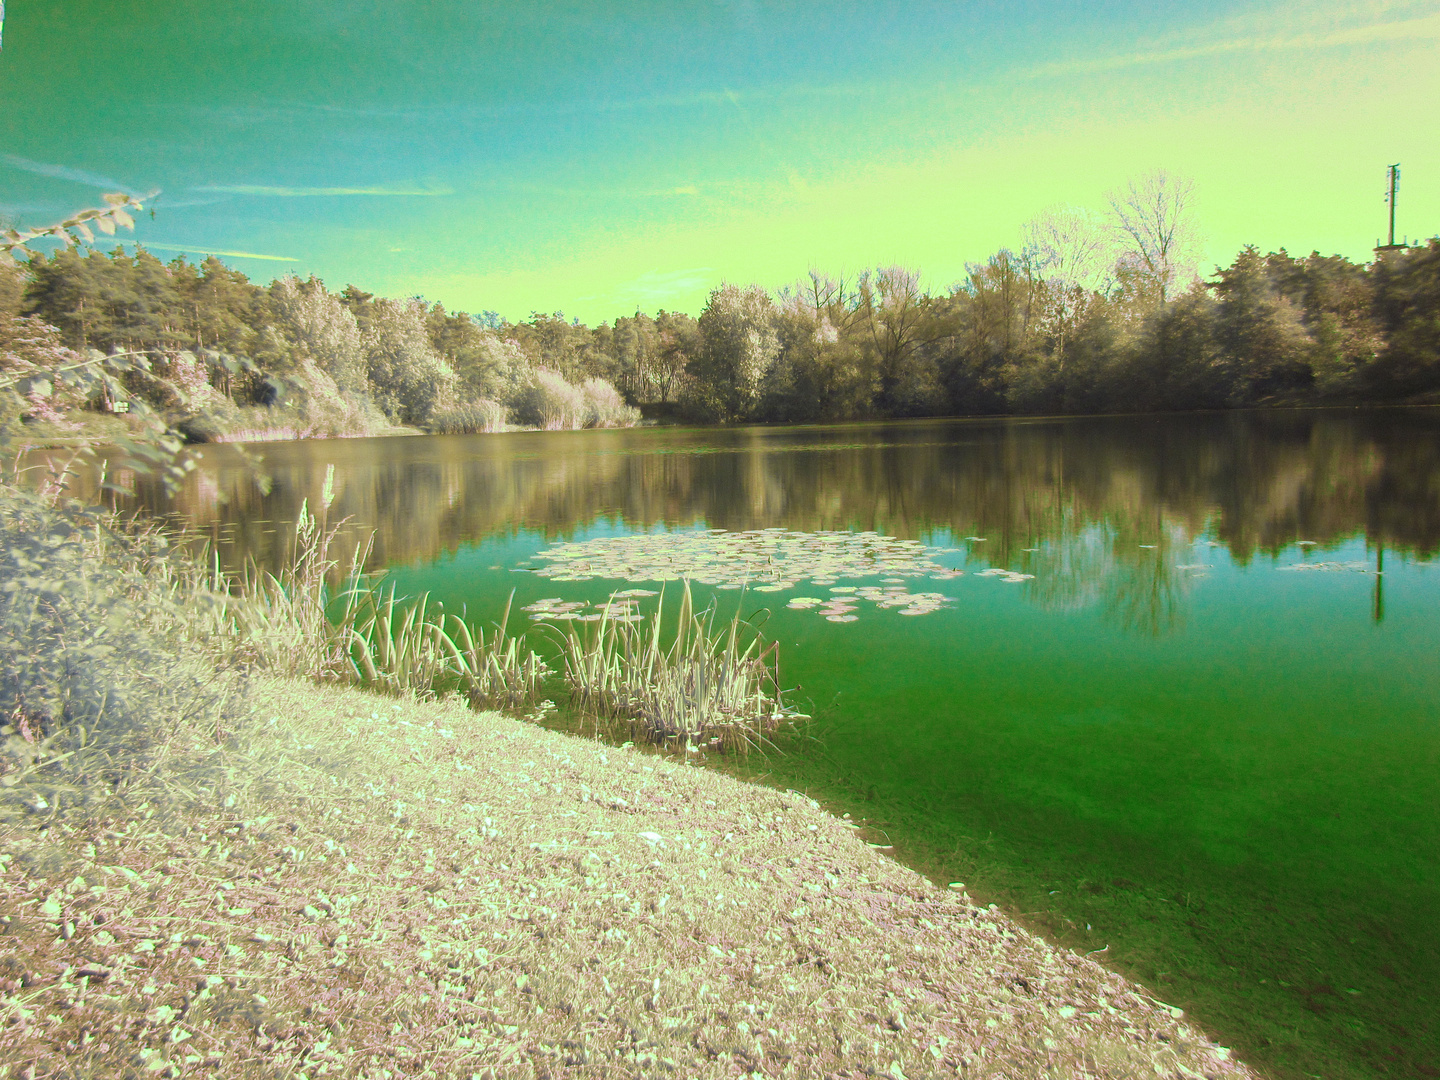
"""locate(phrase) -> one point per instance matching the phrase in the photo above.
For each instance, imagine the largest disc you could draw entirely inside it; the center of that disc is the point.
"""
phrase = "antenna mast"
(1392, 176)
(1392, 189)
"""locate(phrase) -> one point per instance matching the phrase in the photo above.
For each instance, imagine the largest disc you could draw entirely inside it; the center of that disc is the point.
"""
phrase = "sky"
(599, 158)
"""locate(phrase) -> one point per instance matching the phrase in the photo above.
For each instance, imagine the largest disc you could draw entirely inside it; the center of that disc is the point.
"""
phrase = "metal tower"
(1392, 189)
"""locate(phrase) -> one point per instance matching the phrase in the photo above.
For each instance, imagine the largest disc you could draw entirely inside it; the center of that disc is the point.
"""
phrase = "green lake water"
(1194, 730)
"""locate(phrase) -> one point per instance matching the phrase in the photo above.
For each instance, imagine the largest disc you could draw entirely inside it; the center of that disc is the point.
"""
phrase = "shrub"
(111, 687)
(41, 409)
(325, 410)
(12, 408)
(551, 403)
(605, 408)
(30, 350)
(469, 418)
(310, 406)
(189, 375)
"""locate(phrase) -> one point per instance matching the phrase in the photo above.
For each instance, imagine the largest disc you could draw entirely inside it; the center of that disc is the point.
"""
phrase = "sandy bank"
(450, 894)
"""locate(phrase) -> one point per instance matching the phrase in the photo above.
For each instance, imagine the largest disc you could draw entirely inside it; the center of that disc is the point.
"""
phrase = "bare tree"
(1153, 217)
(833, 303)
(1072, 245)
(1073, 253)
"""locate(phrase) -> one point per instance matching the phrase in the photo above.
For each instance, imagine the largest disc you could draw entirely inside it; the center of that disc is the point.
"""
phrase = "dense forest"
(1092, 313)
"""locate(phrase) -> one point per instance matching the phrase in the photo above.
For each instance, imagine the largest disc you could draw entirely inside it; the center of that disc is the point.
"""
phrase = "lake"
(1164, 687)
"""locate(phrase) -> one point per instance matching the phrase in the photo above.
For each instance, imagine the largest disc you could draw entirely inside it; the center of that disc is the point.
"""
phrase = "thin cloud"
(215, 251)
(308, 192)
(177, 204)
(64, 172)
(1422, 29)
(597, 192)
(450, 113)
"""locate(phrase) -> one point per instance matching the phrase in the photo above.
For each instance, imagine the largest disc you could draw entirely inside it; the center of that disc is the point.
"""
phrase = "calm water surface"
(1203, 740)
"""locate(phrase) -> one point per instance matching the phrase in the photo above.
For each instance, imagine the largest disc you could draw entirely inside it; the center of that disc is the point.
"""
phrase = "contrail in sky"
(300, 192)
(64, 172)
(216, 251)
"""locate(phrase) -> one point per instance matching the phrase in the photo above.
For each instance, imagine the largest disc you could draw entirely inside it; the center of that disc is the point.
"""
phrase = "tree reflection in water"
(1103, 510)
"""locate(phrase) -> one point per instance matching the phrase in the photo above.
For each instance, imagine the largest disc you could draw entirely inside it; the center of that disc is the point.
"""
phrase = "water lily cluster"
(621, 607)
(1012, 577)
(840, 607)
(765, 560)
(760, 560)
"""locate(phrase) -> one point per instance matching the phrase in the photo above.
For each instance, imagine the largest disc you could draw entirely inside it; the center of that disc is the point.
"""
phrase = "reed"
(266, 434)
(706, 686)
(410, 648)
(469, 418)
(363, 633)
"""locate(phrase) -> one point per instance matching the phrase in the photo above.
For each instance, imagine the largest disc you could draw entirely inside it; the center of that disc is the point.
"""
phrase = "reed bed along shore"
(417, 889)
(294, 622)
(700, 685)
(116, 649)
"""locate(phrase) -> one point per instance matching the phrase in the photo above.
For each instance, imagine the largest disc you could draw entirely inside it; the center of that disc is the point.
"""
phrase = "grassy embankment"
(212, 865)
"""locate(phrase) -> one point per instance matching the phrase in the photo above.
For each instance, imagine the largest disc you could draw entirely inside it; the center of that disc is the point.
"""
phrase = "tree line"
(1091, 312)
(290, 356)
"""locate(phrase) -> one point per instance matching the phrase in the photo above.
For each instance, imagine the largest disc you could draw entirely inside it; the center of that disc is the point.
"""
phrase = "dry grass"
(420, 890)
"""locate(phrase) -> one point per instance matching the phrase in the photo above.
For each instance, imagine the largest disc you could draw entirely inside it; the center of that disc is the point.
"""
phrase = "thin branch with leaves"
(76, 229)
